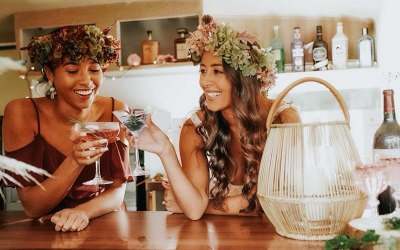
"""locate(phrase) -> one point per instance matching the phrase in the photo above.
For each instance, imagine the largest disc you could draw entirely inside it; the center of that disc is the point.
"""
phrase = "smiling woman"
(38, 131)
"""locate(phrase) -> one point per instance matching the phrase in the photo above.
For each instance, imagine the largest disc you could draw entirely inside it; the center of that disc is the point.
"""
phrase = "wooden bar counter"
(148, 230)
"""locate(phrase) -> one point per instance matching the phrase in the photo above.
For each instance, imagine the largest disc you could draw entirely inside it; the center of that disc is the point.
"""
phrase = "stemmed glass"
(95, 131)
(134, 121)
(372, 179)
(393, 165)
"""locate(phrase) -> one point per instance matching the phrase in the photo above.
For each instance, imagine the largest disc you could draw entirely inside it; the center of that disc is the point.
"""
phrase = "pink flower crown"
(240, 50)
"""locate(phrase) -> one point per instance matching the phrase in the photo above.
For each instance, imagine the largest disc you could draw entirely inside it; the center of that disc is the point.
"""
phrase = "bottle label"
(319, 54)
(298, 52)
(339, 53)
(385, 153)
(365, 53)
(181, 51)
(150, 52)
(276, 53)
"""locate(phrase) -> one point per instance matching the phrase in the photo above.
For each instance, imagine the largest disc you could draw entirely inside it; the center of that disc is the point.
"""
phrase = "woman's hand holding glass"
(82, 151)
(151, 139)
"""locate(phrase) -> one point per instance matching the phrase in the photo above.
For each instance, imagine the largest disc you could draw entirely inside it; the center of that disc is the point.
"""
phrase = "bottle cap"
(364, 31)
(181, 30)
(319, 30)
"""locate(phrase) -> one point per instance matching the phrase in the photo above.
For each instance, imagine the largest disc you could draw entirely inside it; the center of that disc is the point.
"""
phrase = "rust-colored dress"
(39, 153)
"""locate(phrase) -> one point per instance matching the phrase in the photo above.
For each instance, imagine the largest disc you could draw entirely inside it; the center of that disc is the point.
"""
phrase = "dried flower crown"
(240, 50)
(75, 42)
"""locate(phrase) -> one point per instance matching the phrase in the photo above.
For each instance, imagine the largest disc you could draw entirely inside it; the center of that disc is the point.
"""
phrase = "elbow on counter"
(194, 216)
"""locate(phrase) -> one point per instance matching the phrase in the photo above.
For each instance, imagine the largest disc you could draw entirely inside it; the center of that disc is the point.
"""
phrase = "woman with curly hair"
(38, 130)
(222, 143)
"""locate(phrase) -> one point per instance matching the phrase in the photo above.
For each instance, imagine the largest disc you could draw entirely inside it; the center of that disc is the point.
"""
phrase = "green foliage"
(344, 242)
(392, 223)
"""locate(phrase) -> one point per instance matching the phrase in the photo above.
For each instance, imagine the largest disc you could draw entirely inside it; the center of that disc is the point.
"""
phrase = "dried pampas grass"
(7, 64)
(20, 168)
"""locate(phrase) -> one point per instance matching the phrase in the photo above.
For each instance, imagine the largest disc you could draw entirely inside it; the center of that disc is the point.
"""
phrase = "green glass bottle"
(277, 51)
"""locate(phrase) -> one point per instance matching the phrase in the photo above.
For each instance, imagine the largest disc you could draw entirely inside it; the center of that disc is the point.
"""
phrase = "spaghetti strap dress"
(39, 153)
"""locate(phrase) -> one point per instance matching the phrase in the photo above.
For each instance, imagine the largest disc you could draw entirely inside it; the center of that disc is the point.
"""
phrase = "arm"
(19, 130)
(189, 183)
(77, 218)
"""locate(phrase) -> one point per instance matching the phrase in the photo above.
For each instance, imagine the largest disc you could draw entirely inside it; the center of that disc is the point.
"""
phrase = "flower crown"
(74, 42)
(240, 50)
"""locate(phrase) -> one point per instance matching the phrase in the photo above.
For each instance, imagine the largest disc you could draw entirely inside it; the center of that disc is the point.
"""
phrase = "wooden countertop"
(148, 230)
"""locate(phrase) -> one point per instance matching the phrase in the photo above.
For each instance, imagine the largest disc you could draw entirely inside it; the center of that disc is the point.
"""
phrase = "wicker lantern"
(305, 183)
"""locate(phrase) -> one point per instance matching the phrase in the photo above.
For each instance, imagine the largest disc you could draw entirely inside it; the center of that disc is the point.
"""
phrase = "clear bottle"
(386, 144)
(150, 49)
(181, 50)
(277, 51)
(340, 45)
(297, 51)
(320, 50)
(366, 50)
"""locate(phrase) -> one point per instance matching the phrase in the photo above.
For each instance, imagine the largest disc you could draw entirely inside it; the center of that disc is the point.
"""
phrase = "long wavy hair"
(216, 134)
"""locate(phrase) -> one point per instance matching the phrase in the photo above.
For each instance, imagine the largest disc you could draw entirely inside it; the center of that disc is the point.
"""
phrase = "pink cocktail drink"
(95, 131)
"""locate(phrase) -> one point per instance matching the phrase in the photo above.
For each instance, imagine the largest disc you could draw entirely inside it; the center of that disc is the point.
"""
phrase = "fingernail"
(82, 134)
(103, 140)
(103, 149)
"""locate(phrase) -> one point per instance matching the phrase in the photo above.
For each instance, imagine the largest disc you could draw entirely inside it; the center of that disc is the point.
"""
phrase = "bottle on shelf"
(366, 50)
(297, 51)
(340, 45)
(181, 50)
(386, 144)
(150, 49)
(277, 51)
(320, 51)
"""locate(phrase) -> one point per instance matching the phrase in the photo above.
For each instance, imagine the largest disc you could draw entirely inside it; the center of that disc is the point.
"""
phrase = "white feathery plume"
(20, 168)
(7, 63)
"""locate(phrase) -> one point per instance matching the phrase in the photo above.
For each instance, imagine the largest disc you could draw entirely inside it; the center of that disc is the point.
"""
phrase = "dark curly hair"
(216, 134)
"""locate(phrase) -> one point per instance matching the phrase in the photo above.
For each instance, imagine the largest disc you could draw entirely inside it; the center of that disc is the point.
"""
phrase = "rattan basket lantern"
(305, 183)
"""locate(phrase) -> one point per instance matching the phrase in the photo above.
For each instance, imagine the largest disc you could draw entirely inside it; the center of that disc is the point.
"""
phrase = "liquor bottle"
(320, 50)
(366, 50)
(181, 50)
(150, 49)
(340, 45)
(386, 144)
(297, 51)
(276, 45)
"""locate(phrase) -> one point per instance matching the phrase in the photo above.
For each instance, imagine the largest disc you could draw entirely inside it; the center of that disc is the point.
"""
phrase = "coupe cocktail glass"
(95, 131)
(393, 166)
(372, 179)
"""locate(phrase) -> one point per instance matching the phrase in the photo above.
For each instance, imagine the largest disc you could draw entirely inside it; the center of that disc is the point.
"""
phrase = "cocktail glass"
(134, 121)
(95, 131)
(393, 166)
(372, 179)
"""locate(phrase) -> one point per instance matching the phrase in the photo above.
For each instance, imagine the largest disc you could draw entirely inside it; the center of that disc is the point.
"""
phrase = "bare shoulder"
(189, 136)
(19, 124)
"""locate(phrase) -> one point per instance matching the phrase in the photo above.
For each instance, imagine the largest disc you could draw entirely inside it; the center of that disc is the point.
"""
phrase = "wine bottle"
(386, 144)
(181, 50)
(297, 51)
(276, 45)
(150, 49)
(340, 44)
(366, 50)
(320, 50)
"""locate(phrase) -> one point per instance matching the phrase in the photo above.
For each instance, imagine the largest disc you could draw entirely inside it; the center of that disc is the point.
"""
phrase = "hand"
(151, 138)
(70, 220)
(169, 199)
(86, 153)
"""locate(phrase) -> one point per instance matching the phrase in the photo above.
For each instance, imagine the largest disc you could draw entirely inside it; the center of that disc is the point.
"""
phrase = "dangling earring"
(52, 90)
